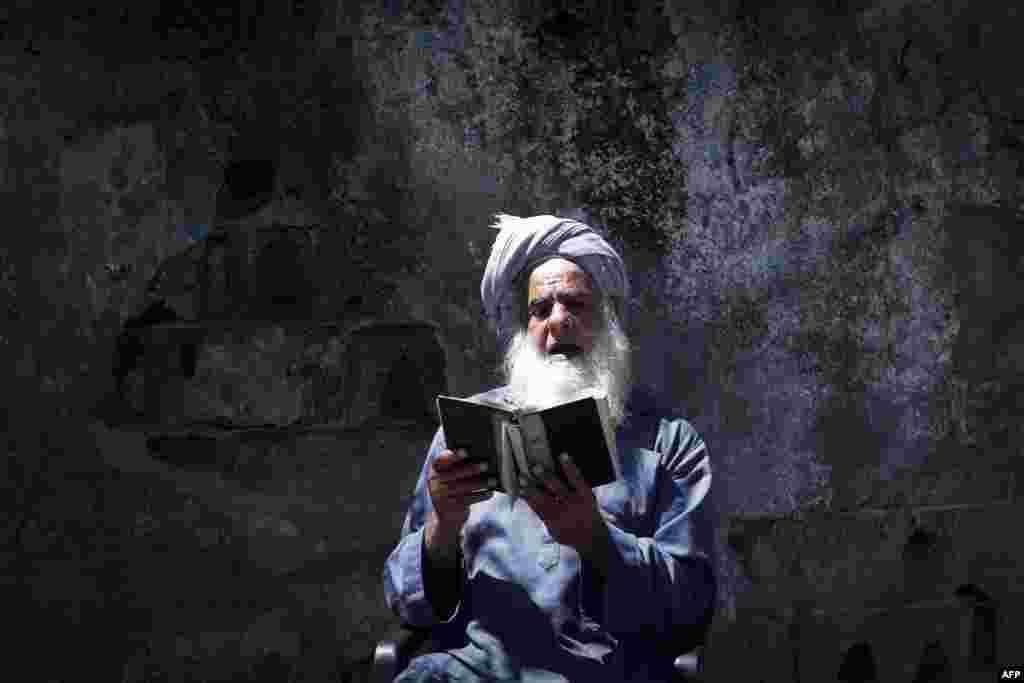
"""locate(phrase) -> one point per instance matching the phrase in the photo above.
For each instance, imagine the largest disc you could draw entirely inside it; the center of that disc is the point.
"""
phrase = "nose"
(561, 322)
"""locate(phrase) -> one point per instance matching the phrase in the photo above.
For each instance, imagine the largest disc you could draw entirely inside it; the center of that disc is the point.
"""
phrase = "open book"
(512, 441)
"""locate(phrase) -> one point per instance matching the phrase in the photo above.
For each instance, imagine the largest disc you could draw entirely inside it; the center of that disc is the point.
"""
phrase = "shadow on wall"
(858, 665)
(402, 391)
(390, 371)
(934, 666)
(244, 275)
(396, 370)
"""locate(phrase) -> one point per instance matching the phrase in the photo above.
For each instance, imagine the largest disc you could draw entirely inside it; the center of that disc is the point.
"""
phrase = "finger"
(551, 483)
(573, 473)
(538, 482)
(448, 458)
(466, 487)
(477, 497)
(536, 494)
(465, 471)
(441, 486)
(529, 491)
(443, 461)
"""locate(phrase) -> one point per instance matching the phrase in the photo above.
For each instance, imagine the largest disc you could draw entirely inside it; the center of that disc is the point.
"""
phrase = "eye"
(540, 310)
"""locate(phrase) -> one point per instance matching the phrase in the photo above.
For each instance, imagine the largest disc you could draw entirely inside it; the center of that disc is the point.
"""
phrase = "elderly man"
(580, 584)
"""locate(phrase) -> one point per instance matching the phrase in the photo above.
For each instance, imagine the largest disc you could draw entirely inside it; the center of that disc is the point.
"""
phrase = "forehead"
(559, 274)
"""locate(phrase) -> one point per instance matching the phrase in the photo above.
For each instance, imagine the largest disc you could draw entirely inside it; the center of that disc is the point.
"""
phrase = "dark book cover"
(575, 428)
(470, 425)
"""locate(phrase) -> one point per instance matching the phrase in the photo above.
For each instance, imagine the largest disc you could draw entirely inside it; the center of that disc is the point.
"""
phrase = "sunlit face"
(562, 309)
(571, 342)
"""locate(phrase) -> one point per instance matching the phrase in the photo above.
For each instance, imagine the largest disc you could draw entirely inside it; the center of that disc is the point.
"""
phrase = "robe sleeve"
(665, 583)
(404, 585)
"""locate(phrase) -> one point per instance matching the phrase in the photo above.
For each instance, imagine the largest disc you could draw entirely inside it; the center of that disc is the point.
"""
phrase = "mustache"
(566, 348)
(534, 376)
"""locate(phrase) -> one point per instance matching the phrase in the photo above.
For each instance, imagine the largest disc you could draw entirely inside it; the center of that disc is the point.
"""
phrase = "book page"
(509, 481)
(535, 439)
(519, 451)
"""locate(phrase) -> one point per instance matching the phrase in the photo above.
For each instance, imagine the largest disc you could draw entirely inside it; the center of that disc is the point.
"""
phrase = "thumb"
(573, 473)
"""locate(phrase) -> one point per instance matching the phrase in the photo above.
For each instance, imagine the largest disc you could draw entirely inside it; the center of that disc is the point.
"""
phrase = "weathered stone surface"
(272, 376)
(831, 560)
(805, 196)
(952, 485)
(763, 636)
(886, 557)
(827, 636)
(313, 528)
(903, 642)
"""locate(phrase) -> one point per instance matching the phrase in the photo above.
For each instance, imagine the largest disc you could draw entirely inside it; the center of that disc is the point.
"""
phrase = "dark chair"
(404, 642)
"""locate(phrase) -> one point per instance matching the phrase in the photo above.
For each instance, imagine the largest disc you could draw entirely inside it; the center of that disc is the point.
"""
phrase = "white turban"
(523, 243)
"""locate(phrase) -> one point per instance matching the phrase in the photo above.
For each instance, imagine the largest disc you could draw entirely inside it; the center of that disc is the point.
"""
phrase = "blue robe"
(532, 610)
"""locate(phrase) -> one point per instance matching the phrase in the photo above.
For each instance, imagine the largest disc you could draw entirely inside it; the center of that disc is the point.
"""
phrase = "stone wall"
(222, 550)
(250, 374)
(818, 206)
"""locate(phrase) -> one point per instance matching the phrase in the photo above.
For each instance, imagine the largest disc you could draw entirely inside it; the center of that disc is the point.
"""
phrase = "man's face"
(561, 308)
(572, 342)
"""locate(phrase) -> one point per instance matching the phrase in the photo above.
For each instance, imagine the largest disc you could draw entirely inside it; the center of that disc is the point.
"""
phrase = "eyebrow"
(575, 297)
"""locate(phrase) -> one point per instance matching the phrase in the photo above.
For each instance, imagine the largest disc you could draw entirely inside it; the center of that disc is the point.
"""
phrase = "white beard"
(538, 381)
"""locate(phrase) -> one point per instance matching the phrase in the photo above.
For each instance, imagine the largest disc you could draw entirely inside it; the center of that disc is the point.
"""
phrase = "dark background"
(819, 206)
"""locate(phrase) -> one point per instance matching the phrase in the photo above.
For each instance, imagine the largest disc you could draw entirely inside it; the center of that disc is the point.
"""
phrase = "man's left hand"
(572, 517)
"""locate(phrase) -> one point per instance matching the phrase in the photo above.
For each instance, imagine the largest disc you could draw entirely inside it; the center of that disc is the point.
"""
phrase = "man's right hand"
(454, 485)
